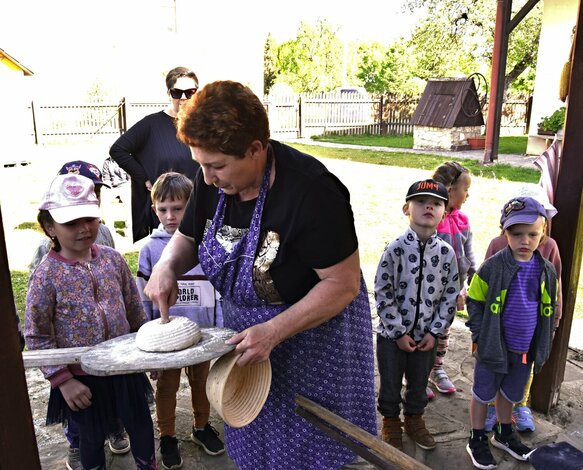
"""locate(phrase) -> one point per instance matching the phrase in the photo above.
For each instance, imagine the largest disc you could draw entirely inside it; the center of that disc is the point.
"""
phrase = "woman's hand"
(178, 257)
(76, 394)
(148, 185)
(162, 289)
(406, 343)
(255, 343)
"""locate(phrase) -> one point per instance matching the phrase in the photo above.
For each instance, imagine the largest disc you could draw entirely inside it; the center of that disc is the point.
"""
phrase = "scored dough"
(179, 333)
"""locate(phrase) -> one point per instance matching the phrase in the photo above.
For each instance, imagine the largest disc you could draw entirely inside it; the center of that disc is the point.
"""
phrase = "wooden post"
(567, 230)
(501, 32)
(17, 439)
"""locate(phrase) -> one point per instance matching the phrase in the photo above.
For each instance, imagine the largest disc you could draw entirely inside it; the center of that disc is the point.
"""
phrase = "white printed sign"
(195, 294)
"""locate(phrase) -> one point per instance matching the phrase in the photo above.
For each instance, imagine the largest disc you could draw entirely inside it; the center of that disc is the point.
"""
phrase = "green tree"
(270, 63)
(313, 61)
(455, 38)
(386, 69)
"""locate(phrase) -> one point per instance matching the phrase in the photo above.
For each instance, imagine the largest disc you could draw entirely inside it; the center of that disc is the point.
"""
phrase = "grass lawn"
(508, 145)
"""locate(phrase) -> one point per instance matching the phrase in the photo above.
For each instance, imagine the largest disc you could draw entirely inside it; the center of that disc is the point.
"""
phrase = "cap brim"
(63, 215)
(426, 194)
(521, 219)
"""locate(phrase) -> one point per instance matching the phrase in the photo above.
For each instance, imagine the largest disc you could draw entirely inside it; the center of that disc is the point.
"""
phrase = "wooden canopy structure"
(567, 228)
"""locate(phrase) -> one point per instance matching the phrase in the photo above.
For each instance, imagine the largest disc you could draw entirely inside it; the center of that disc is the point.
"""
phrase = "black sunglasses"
(176, 93)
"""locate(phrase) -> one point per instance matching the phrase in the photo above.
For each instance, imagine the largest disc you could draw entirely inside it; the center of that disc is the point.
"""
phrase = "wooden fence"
(290, 117)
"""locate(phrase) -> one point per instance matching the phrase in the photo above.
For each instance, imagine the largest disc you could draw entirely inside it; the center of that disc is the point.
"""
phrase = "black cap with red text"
(428, 188)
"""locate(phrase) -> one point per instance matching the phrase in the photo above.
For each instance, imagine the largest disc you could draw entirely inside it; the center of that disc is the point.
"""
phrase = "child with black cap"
(511, 303)
(416, 289)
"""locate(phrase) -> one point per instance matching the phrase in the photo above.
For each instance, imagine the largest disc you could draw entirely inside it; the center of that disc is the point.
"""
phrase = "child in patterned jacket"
(80, 295)
(416, 289)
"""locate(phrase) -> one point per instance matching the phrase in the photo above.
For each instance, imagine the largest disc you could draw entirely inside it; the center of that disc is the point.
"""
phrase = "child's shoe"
(415, 428)
(208, 439)
(392, 432)
(439, 378)
(491, 419)
(522, 416)
(512, 444)
(73, 461)
(430, 393)
(480, 454)
(170, 454)
(119, 443)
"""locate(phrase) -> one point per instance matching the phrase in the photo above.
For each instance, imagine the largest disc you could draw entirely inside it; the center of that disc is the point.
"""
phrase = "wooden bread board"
(121, 355)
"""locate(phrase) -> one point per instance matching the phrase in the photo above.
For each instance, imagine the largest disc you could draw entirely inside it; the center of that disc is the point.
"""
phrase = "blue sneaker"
(523, 418)
(491, 419)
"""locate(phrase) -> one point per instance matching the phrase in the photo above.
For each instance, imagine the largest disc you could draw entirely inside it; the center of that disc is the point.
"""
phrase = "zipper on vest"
(421, 254)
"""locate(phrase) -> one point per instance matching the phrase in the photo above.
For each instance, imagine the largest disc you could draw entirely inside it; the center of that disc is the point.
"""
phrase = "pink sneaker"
(430, 394)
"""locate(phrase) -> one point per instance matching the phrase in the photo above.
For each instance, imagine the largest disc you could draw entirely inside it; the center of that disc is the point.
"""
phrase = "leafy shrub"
(554, 122)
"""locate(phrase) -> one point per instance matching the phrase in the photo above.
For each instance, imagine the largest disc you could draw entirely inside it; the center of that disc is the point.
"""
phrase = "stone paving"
(447, 416)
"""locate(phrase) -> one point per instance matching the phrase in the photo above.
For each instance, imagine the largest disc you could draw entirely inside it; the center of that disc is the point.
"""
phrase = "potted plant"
(477, 143)
(550, 125)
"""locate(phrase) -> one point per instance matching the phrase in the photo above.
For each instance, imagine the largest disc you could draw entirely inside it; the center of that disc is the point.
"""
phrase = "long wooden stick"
(386, 452)
(53, 357)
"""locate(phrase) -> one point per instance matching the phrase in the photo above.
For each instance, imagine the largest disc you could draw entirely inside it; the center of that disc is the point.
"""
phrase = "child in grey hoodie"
(511, 303)
(196, 301)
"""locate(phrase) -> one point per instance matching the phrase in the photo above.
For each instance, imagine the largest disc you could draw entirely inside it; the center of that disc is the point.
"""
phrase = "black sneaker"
(208, 438)
(119, 443)
(511, 444)
(170, 453)
(479, 451)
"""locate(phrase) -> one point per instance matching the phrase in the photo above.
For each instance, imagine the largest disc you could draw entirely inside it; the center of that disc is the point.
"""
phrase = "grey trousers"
(394, 364)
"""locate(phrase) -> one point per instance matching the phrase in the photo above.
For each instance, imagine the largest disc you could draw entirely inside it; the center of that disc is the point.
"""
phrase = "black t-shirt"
(307, 206)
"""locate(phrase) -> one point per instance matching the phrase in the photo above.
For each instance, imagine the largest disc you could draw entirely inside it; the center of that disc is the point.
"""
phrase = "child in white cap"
(82, 294)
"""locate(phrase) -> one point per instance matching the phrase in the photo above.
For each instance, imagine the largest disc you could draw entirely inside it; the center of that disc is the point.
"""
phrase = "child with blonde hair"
(511, 305)
(170, 194)
(455, 230)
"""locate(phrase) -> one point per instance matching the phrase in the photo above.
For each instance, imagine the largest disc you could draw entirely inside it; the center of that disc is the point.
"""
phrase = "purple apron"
(332, 364)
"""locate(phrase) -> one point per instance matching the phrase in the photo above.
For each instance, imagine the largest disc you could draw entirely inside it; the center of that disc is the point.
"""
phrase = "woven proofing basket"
(238, 393)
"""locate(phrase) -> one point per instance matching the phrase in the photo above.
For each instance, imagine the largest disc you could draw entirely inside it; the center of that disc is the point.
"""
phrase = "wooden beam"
(53, 357)
(383, 454)
(567, 230)
(17, 439)
(499, 53)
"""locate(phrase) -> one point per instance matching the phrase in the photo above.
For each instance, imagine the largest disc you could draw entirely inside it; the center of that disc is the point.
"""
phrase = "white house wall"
(559, 17)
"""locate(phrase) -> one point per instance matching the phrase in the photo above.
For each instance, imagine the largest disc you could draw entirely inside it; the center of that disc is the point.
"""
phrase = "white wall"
(559, 17)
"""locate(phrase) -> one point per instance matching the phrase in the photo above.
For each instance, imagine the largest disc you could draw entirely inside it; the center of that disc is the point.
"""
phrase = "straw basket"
(238, 393)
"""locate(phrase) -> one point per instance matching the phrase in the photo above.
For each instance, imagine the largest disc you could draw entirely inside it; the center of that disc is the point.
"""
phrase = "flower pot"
(543, 132)
(477, 143)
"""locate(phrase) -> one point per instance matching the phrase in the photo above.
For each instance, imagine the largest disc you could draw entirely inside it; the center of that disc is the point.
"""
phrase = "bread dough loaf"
(179, 333)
